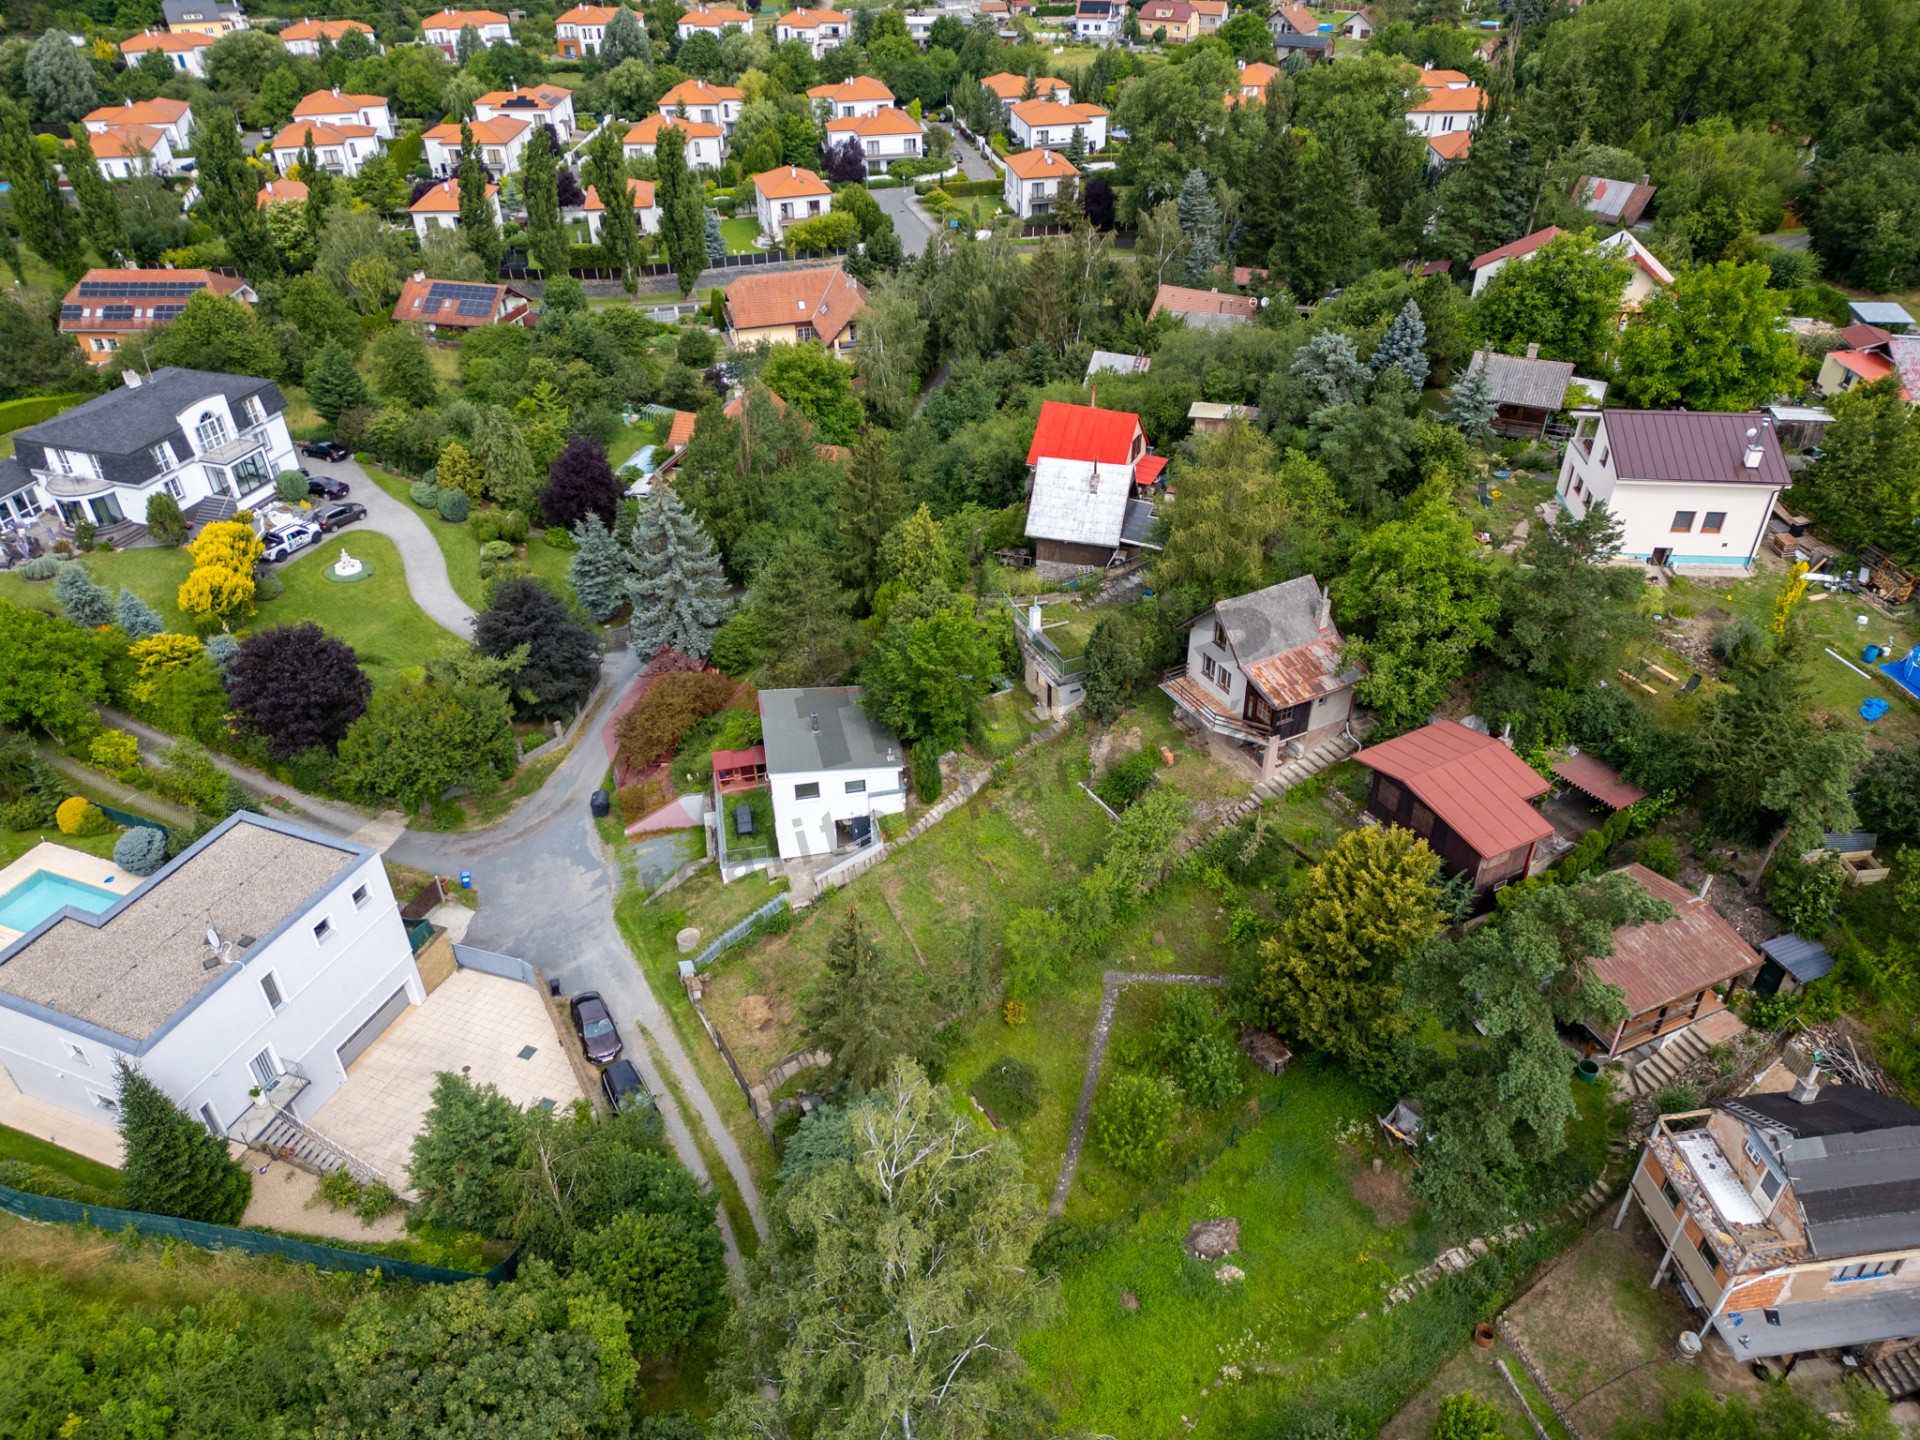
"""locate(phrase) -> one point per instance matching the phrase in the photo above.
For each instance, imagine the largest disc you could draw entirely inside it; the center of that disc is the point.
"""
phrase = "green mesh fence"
(249, 1242)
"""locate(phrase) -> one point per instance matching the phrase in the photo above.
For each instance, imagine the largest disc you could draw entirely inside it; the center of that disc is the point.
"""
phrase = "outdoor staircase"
(1323, 757)
(211, 510)
(1664, 1066)
(122, 535)
(285, 1138)
(1896, 1375)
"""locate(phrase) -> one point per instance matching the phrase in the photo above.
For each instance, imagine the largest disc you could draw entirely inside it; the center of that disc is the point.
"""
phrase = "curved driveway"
(420, 553)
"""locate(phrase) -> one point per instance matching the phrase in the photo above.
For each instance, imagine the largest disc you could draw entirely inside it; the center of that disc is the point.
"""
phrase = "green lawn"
(462, 551)
(391, 634)
(740, 232)
(18, 1145)
(153, 573)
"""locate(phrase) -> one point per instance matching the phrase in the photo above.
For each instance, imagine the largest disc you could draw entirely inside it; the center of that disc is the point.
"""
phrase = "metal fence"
(750, 260)
(507, 967)
(738, 933)
(127, 817)
(48, 1210)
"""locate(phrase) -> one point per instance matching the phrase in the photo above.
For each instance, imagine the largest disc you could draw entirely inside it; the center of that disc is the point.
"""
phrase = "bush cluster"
(653, 729)
(1010, 1090)
(1128, 780)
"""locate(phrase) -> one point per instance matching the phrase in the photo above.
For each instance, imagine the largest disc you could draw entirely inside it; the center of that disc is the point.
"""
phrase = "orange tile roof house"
(819, 30)
(440, 207)
(1011, 88)
(861, 95)
(281, 192)
(581, 31)
(303, 37)
(705, 102)
(1264, 671)
(1048, 125)
(882, 137)
(550, 105)
(1209, 308)
(800, 305)
(646, 209)
(1254, 80)
(712, 20)
(1033, 179)
(1451, 103)
(1464, 793)
(108, 305)
(339, 107)
(706, 145)
(129, 150)
(187, 53)
(173, 116)
(1082, 511)
(1667, 969)
(340, 149)
(787, 196)
(460, 305)
(443, 29)
(1293, 20)
(501, 143)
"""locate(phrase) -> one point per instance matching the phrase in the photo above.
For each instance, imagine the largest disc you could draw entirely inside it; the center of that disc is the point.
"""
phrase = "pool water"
(43, 893)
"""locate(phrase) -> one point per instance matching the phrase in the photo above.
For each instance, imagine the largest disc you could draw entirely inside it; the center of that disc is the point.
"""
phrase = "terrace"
(1707, 1188)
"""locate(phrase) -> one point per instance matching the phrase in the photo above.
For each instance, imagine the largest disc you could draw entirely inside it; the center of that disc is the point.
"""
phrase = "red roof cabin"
(735, 771)
(1464, 793)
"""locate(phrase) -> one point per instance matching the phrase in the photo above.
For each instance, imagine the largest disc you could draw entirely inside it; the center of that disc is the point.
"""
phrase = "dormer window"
(211, 430)
(163, 455)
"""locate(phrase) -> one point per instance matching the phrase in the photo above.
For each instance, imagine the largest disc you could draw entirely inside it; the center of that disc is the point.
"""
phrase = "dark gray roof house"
(822, 728)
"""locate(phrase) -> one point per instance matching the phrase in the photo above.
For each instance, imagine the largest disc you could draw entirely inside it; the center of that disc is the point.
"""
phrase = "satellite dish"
(213, 938)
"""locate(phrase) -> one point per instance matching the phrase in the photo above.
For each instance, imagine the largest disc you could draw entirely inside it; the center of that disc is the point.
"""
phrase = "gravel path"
(1115, 982)
(420, 553)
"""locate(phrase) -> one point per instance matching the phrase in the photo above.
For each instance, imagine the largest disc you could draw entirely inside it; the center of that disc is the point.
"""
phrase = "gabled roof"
(640, 190)
(1166, 12)
(717, 17)
(1696, 447)
(135, 296)
(1660, 962)
(1629, 247)
(587, 15)
(1516, 380)
(1451, 146)
(885, 121)
(460, 304)
(698, 92)
(1592, 776)
(823, 729)
(812, 19)
(1012, 87)
(1041, 165)
(1204, 307)
(323, 29)
(1299, 17)
(129, 420)
(158, 111)
(647, 132)
(127, 142)
(1859, 337)
(1880, 312)
(281, 192)
(1079, 502)
(1621, 201)
(1082, 432)
(538, 98)
(161, 40)
(502, 131)
(790, 182)
(457, 20)
(1514, 249)
(1258, 75)
(294, 137)
(336, 102)
(1864, 363)
(847, 92)
(826, 298)
(1046, 112)
(1474, 784)
(1285, 642)
(444, 198)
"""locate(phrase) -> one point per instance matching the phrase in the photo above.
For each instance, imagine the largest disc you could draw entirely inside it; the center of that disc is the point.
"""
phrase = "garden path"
(1115, 982)
(426, 567)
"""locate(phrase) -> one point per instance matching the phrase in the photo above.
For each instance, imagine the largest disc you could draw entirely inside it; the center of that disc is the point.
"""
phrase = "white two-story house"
(581, 31)
(443, 29)
(1046, 125)
(705, 102)
(197, 435)
(1688, 489)
(340, 149)
(549, 105)
(860, 95)
(830, 768)
(787, 196)
(705, 146)
(340, 107)
(1032, 181)
(242, 979)
(883, 137)
(819, 30)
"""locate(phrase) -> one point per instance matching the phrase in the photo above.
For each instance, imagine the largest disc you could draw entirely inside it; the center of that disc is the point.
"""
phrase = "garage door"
(375, 1027)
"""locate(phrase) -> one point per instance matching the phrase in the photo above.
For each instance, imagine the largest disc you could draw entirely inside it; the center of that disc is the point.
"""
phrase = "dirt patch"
(1384, 1192)
(1210, 1239)
(755, 1013)
(1110, 747)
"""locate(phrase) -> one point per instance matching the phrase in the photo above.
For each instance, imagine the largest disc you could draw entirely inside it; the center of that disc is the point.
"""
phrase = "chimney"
(131, 378)
(1806, 1090)
(813, 719)
(1533, 351)
(1754, 450)
(1326, 606)
(1506, 735)
(1035, 620)
(419, 274)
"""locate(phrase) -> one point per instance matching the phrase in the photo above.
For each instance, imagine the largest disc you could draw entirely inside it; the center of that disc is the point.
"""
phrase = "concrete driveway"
(972, 164)
(911, 220)
(420, 553)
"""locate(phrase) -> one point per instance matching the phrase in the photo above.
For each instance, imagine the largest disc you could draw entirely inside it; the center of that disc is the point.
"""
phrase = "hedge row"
(34, 409)
(958, 188)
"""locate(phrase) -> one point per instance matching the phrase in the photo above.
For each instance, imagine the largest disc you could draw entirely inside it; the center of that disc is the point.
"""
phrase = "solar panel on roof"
(70, 312)
(116, 312)
(453, 291)
(167, 312)
(475, 307)
(130, 289)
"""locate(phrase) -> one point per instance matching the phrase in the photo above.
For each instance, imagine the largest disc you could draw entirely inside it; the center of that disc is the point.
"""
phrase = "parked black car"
(332, 517)
(595, 1026)
(621, 1084)
(328, 489)
(326, 450)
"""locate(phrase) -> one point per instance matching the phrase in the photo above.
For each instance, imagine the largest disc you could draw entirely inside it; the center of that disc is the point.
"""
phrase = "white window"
(211, 430)
(256, 412)
(163, 455)
(359, 897)
(270, 988)
(175, 488)
(856, 787)
(105, 1102)
(265, 1068)
(78, 1055)
(322, 930)
(105, 344)
(209, 1119)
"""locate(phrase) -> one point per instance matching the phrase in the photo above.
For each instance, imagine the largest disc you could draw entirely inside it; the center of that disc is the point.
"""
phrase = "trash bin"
(600, 805)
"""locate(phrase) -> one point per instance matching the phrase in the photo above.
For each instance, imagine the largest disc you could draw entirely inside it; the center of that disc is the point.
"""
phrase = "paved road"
(420, 553)
(547, 897)
(972, 164)
(910, 219)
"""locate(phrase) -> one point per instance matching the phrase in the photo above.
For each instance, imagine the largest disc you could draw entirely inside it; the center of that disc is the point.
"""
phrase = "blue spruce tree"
(677, 590)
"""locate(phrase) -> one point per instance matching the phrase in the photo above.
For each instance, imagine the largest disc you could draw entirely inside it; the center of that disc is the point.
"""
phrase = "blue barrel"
(1870, 654)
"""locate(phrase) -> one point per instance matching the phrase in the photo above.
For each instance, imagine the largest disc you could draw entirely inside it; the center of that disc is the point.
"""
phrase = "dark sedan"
(332, 517)
(327, 450)
(328, 489)
(620, 1083)
(595, 1026)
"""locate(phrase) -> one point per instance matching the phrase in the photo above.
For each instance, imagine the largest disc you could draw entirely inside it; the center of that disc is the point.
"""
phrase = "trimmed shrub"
(454, 507)
(290, 487)
(141, 850)
(1127, 781)
(512, 526)
(26, 813)
(1010, 1090)
(42, 567)
(559, 538)
(114, 750)
(72, 816)
(425, 494)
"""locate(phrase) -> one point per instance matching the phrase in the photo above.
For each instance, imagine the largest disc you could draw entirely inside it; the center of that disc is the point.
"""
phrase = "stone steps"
(1666, 1065)
(286, 1138)
(1461, 1256)
(1896, 1375)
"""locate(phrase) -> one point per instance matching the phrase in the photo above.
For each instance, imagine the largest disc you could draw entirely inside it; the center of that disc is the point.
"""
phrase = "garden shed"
(1791, 962)
(1525, 390)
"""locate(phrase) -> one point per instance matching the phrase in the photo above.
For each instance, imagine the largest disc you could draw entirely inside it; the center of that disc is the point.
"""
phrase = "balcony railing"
(242, 445)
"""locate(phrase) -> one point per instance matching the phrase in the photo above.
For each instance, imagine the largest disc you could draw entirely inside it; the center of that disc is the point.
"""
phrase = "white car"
(285, 540)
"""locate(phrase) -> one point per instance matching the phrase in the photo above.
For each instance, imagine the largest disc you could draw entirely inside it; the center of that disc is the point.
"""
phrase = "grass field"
(462, 550)
(18, 1145)
(740, 232)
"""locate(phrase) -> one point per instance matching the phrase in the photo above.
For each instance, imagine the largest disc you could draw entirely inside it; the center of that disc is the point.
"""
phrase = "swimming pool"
(42, 893)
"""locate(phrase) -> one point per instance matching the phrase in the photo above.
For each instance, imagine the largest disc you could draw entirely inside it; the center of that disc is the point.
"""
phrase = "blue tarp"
(1905, 673)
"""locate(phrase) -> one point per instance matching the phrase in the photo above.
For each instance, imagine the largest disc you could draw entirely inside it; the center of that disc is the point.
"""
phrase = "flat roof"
(823, 728)
(132, 968)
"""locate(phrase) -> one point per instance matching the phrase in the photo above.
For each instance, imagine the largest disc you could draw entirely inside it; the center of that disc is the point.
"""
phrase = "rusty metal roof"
(1600, 780)
(1658, 964)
